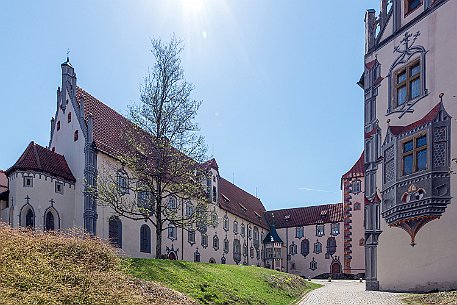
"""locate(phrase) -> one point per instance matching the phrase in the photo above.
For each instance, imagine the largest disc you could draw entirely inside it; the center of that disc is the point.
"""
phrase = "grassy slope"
(42, 268)
(438, 298)
(223, 284)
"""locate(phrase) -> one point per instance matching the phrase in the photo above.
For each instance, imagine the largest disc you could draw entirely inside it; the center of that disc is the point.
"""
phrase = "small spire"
(68, 55)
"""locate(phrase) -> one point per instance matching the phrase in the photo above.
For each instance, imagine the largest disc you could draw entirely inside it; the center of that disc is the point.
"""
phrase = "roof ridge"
(306, 207)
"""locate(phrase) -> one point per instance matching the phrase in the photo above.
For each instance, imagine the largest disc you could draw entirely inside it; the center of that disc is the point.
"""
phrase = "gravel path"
(348, 293)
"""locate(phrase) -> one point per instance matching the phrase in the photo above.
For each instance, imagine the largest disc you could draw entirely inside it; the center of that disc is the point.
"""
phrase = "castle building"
(45, 190)
(410, 110)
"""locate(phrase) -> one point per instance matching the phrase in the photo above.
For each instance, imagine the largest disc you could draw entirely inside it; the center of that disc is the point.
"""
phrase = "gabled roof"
(357, 170)
(109, 127)
(272, 236)
(240, 203)
(211, 164)
(40, 159)
(428, 118)
(286, 218)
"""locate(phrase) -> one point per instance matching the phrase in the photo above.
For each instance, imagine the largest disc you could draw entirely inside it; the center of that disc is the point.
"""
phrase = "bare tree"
(163, 169)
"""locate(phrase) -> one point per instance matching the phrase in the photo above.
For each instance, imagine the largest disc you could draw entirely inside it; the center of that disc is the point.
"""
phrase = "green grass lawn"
(223, 284)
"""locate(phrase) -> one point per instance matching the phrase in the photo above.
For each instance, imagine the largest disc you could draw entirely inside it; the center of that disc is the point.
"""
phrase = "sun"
(192, 7)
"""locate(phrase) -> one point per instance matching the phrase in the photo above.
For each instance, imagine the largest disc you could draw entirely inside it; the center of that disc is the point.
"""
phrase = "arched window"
(223, 260)
(30, 219)
(115, 231)
(357, 206)
(331, 245)
(145, 239)
(243, 230)
(49, 221)
(69, 117)
(293, 249)
(75, 136)
(304, 247)
(172, 203)
(212, 260)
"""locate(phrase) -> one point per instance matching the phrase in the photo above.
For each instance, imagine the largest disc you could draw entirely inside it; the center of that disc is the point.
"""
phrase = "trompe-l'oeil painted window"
(408, 83)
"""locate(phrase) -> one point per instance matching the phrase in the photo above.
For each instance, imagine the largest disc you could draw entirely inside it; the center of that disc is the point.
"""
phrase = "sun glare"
(192, 7)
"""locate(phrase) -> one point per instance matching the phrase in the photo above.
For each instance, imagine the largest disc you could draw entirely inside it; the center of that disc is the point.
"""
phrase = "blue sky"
(281, 110)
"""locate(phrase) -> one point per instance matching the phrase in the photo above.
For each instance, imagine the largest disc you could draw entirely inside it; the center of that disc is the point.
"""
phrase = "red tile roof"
(357, 170)
(327, 213)
(396, 130)
(241, 203)
(211, 164)
(40, 159)
(109, 127)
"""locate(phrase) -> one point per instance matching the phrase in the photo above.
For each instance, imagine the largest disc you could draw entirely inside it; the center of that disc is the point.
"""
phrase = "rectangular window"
(408, 83)
(320, 230)
(411, 5)
(414, 155)
(172, 232)
(191, 237)
(299, 232)
(59, 187)
(335, 229)
(214, 194)
(28, 181)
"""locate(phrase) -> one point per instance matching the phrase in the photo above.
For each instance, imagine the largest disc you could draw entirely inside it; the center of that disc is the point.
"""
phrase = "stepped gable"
(40, 159)
(357, 170)
(428, 118)
(286, 218)
(239, 202)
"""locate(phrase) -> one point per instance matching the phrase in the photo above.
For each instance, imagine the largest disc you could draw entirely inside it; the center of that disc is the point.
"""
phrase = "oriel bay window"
(414, 154)
(408, 83)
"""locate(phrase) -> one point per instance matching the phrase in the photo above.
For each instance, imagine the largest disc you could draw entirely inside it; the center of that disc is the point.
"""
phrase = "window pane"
(408, 146)
(401, 77)
(407, 164)
(413, 4)
(422, 160)
(414, 87)
(401, 95)
(422, 141)
(414, 70)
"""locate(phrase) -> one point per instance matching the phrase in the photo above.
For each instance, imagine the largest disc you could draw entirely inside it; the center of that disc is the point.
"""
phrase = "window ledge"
(407, 107)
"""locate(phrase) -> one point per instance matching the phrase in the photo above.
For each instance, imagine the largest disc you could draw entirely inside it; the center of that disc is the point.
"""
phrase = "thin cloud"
(315, 190)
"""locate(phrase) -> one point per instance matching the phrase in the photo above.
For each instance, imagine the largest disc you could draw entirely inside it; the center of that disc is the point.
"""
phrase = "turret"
(68, 91)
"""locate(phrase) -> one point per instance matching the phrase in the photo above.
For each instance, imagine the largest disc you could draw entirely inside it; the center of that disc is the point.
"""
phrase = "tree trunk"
(159, 220)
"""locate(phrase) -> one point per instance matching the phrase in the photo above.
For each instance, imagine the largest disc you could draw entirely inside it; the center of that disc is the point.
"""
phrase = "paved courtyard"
(350, 293)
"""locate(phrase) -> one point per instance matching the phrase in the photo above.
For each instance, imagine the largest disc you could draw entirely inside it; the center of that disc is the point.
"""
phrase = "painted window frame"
(414, 153)
(409, 9)
(58, 187)
(406, 69)
(299, 232)
(172, 232)
(28, 178)
(320, 230)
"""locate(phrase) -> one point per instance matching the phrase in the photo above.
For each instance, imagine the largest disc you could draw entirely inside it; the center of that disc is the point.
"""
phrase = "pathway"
(344, 292)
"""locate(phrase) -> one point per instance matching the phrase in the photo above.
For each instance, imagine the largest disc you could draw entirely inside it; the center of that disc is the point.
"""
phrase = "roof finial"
(68, 54)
